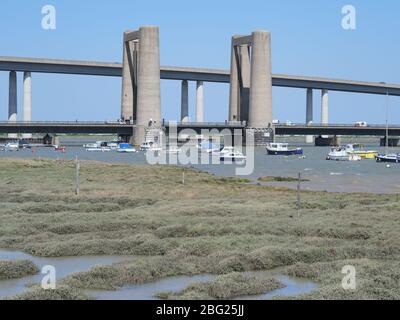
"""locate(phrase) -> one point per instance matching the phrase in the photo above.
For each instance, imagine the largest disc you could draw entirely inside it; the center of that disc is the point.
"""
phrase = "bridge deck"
(127, 129)
(192, 74)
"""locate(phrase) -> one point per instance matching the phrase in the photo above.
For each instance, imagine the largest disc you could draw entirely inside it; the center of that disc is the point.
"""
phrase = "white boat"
(340, 154)
(232, 155)
(388, 158)
(12, 146)
(149, 146)
(90, 145)
(112, 145)
(126, 148)
(99, 149)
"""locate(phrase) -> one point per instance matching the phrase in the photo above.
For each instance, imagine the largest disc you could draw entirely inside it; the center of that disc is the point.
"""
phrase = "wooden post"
(298, 196)
(183, 177)
(77, 169)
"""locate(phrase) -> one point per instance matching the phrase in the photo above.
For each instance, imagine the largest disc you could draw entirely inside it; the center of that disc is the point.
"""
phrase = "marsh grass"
(281, 179)
(17, 269)
(209, 225)
(223, 287)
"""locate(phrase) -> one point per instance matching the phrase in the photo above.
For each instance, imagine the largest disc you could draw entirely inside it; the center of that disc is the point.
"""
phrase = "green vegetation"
(281, 179)
(224, 287)
(209, 225)
(17, 269)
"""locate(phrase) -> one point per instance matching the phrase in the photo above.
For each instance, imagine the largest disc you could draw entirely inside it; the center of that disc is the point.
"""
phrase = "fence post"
(298, 196)
(77, 169)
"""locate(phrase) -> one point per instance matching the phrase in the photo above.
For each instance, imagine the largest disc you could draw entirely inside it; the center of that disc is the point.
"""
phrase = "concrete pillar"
(200, 101)
(12, 100)
(324, 107)
(185, 101)
(148, 82)
(27, 111)
(245, 70)
(127, 85)
(234, 88)
(309, 113)
(260, 109)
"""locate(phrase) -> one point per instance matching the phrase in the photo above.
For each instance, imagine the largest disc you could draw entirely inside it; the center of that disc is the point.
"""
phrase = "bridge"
(122, 129)
(250, 80)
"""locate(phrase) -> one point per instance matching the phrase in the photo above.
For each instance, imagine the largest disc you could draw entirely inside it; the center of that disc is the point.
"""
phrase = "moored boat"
(126, 148)
(232, 155)
(340, 154)
(359, 149)
(283, 149)
(12, 146)
(388, 158)
(60, 148)
(149, 146)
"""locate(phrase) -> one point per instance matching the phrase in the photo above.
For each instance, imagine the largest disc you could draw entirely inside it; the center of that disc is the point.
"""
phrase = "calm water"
(64, 267)
(147, 291)
(361, 176)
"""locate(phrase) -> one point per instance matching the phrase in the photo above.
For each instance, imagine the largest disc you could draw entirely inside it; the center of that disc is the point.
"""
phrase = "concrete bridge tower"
(251, 81)
(141, 99)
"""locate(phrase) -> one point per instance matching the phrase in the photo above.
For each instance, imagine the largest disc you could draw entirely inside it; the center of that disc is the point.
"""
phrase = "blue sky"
(307, 39)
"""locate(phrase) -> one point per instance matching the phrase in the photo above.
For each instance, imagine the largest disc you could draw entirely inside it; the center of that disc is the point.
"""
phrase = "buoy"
(388, 166)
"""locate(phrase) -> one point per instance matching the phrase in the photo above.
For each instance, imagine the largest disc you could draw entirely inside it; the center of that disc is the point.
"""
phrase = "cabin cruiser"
(12, 146)
(126, 148)
(388, 158)
(359, 149)
(232, 155)
(282, 149)
(150, 146)
(340, 154)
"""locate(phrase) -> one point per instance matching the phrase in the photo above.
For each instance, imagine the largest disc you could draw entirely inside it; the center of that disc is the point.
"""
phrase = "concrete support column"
(200, 101)
(27, 111)
(309, 112)
(148, 82)
(260, 109)
(324, 107)
(185, 101)
(234, 88)
(12, 100)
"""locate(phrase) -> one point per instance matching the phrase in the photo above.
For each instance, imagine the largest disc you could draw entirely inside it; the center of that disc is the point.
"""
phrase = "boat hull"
(383, 158)
(229, 159)
(285, 152)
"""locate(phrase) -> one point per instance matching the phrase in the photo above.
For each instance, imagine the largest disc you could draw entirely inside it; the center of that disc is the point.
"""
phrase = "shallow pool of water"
(68, 265)
(64, 267)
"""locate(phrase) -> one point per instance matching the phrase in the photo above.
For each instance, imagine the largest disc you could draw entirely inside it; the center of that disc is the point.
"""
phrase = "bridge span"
(128, 129)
